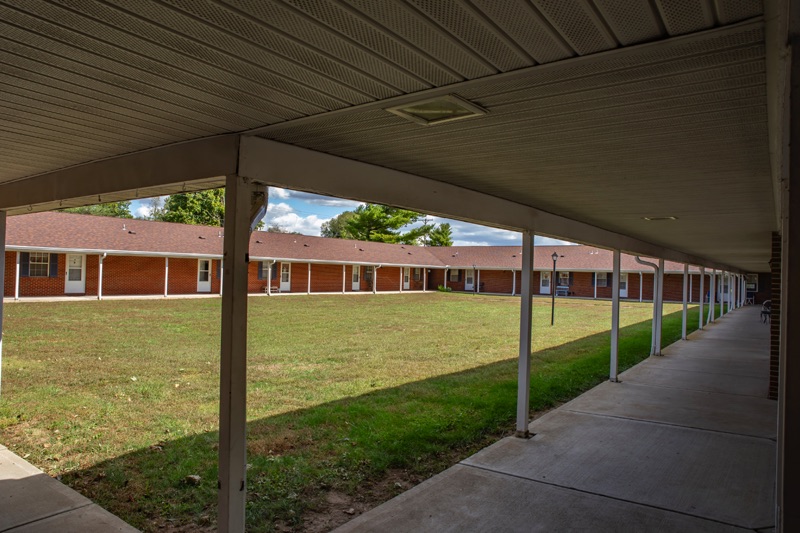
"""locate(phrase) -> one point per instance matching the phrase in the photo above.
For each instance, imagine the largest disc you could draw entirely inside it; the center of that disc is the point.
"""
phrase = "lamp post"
(553, 290)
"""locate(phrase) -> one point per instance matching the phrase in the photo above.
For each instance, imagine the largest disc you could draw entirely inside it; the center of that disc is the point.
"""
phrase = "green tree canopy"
(380, 223)
(112, 209)
(205, 208)
(442, 235)
(336, 228)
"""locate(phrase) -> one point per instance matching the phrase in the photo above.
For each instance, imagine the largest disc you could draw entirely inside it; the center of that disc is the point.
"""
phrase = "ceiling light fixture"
(438, 110)
(659, 219)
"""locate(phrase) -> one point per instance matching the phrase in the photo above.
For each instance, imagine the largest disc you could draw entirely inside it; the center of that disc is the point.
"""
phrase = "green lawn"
(346, 394)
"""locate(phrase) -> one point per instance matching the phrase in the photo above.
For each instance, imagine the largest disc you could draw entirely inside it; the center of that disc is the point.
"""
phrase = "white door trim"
(469, 279)
(623, 285)
(75, 286)
(406, 278)
(204, 275)
(545, 276)
(286, 281)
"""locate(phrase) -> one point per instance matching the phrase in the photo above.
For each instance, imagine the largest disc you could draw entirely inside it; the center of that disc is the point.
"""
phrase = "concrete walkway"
(33, 502)
(685, 443)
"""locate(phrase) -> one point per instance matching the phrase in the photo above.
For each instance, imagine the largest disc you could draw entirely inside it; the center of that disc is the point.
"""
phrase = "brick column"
(775, 317)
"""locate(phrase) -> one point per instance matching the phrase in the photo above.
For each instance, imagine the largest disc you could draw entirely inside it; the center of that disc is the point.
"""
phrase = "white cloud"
(143, 211)
(277, 192)
(311, 198)
(278, 210)
(285, 216)
(293, 222)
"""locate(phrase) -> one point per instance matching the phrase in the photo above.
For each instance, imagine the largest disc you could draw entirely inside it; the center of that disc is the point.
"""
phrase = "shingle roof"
(67, 231)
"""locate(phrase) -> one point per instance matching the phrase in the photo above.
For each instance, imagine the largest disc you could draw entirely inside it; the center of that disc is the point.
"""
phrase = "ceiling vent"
(438, 110)
(659, 219)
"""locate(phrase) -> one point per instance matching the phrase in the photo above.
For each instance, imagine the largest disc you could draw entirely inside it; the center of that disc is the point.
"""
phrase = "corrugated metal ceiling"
(680, 127)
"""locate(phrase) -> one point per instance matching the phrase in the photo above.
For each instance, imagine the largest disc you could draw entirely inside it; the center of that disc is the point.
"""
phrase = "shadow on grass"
(344, 446)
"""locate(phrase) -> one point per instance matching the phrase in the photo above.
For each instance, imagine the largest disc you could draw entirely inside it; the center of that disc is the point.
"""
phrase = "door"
(286, 277)
(544, 285)
(406, 278)
(623, 285)
(469, 280)
(76, 274)
(203, 275)
(356, 285)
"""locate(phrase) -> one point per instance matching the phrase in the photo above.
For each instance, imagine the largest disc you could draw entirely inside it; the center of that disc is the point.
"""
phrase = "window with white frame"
(417, 274)
(601, 278)
(39, 265)
(563, 279)
(453, 274)
(368, 270)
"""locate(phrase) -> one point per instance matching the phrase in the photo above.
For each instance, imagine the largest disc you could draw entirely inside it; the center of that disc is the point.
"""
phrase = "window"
(417, 274)
(545, 279)
(454, 274)
(563, 279)
(204, 271)
(368, 270)
(39, 265)
(285, 272)
(601, 278)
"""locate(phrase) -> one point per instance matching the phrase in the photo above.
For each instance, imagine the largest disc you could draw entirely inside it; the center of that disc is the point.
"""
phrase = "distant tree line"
(368, 222)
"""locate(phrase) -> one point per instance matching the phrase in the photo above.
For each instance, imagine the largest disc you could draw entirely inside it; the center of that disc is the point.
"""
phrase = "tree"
(205, 208)
(336, 228)
(112, 209)
(276, 228)
(380, 223)
(441, 235)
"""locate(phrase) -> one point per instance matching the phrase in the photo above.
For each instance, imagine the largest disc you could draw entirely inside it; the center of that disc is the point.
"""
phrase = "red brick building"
(58, 254)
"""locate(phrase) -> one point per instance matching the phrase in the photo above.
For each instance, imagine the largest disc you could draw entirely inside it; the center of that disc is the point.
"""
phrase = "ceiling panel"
(582, 115)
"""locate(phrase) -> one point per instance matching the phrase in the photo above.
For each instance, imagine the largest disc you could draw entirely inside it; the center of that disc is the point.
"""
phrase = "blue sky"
(306, 212)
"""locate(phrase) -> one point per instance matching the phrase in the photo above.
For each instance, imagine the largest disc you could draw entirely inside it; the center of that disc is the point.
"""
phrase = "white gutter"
(375, 279)
(655, 298)
(100, 276)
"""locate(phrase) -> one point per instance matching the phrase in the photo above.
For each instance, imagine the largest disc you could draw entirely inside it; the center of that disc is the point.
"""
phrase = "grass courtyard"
(351, 399)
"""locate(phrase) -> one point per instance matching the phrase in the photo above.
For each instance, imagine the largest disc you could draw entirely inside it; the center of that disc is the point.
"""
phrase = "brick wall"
(8, 281)
(125, 275)
(36, 286)
(775, 317)
(496, 281)
(326, 278)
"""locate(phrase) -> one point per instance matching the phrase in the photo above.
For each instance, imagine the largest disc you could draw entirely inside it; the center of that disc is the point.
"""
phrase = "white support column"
(100, 261)
(2, 284)
(478, 279)
(641, 282)
(222, 276)
(691, 288)
(712, 299)
(613, 374)
(595, 285)
(344, 278)
(269, 277)
(513, 283)
(702, 296)
(401, 279)
(446, 271)
(166, 277)
(659, 306)
(16, 278)
(244, 203)
(685, 300)
(424, 280)
(525, 317)
(308, 287)
(375, 279)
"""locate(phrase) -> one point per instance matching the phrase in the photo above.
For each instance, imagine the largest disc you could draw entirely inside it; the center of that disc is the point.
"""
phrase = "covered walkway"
(686, 442)
(33, 502)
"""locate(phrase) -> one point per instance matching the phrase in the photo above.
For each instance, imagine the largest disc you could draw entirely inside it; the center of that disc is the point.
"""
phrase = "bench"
(562, 290)
(269, 289)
